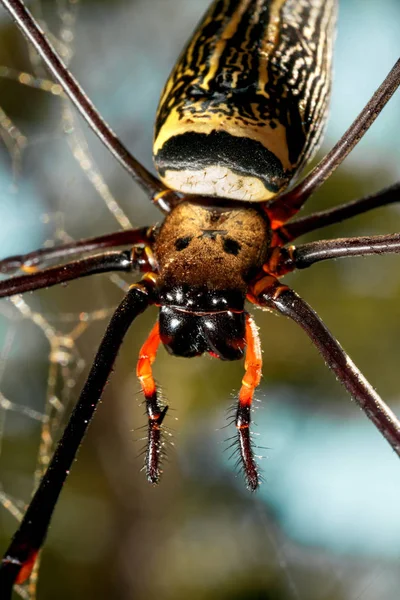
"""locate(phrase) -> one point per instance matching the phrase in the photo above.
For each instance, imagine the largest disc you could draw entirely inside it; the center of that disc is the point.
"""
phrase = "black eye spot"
(231, 246)
(182, 243)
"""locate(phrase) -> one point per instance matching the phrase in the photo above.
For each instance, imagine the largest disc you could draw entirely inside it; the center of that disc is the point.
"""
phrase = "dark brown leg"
(270, 293)
(285, 260)
(155, 411)
(151, 185)
(291, 231)
(287, 205)
(251, 379)
(31, 261)
(20, 557)
(125, 261)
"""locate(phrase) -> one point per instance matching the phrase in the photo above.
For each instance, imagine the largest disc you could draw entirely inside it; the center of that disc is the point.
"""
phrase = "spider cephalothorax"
(207, 254)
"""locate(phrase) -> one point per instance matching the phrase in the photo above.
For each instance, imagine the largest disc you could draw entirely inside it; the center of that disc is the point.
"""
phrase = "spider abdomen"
(245, 105)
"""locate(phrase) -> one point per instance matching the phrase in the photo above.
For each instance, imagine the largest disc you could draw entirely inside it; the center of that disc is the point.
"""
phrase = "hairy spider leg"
(162, 197)
(281, 261)
(305, 255)
(22, 552)
(250, 381)
(100, 263)
(269, 293)
(287, 205)
(31, 262)
(337, 214)
(155, 411)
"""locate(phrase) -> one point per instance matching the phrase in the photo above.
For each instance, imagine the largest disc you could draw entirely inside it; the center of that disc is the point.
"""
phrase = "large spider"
(226, 232)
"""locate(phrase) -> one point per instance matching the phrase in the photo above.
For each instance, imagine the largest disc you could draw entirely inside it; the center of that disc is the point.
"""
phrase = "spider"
(226, 160)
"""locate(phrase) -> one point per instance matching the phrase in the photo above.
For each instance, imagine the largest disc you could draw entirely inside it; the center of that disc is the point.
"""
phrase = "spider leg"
(323, 218)
(30, 261)
(162, 196)
(285, 260)
(251, 379)
(20, 556)
(126, 261)
(288, 204)
(270, 293)
(155, 411)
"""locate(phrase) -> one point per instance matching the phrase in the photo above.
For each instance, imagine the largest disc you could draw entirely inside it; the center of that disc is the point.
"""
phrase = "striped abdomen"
(245, 105)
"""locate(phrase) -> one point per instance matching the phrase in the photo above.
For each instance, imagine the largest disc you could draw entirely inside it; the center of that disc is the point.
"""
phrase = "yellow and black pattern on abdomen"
(245, 105)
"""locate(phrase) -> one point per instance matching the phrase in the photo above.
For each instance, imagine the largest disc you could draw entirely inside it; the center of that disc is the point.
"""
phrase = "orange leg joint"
(19, 569)
(27, 568)
(267, 284)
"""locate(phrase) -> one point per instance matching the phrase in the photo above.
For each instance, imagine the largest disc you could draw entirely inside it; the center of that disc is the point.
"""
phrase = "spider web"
(62, 186)
(61, 332)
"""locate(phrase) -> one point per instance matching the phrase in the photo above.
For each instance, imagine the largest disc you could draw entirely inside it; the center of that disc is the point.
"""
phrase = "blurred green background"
(326, 523)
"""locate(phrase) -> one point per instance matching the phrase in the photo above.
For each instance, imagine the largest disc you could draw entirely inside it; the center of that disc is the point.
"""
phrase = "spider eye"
(231, 246)
(182, 243)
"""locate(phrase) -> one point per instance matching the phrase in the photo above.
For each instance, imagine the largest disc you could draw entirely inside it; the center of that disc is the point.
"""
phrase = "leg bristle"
(249, 464)
(155, 453)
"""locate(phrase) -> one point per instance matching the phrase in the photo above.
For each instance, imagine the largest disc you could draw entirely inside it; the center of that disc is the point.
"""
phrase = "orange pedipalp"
(147, 356)
(251, 379)
(155, 411)
(253, 363)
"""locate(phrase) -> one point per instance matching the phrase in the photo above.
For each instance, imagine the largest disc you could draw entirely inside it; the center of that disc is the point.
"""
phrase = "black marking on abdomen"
(244, 156)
